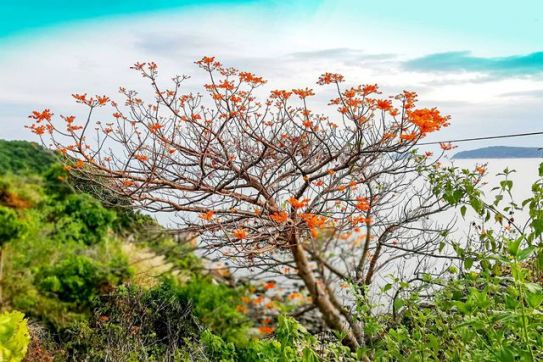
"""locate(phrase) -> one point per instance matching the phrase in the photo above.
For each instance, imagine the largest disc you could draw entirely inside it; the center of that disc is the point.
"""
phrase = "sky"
(479, 61)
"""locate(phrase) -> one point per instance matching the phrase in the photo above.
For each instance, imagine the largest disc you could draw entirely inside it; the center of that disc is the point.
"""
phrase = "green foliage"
(10, 225)
(21, 157)
(492, 310)
(67, 269)
(68, 232)
(214, 305)
(81, 218)
(292, 343)
(135, 324)
(78, 279)
(14, 336)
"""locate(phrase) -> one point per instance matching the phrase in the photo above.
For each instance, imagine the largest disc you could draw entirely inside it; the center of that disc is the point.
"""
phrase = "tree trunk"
(320, 296)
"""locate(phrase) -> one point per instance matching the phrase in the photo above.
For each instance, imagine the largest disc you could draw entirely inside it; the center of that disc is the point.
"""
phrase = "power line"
(482, 138)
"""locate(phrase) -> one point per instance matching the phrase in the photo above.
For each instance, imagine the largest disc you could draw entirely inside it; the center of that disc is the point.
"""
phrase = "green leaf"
(468, 263)
(534, 299)
(308, 355)
(463, 211)
(506, 355)
(537, 225)
(476, 204)
(513, 245)
(525, 253)
(539, 260)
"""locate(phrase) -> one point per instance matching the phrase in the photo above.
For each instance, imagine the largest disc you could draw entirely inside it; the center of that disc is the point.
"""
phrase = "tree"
(328, 201)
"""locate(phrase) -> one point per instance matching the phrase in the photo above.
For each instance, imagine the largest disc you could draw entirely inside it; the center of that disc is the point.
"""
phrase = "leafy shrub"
(490, 307)
(215, 306)
(292, 343)
(81, 218)
(136, 324)
(78, 279)
(14, 336)
(10, 226)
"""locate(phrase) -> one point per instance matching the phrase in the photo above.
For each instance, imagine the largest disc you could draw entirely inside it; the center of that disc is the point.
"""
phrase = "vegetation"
(332, 226)
(14, 336)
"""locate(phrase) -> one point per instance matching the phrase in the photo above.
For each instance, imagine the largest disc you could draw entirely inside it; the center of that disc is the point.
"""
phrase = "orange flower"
(408, 136)
(480, 169)
(328, 78)
(446, 146)
(102, 100)
(206, 60)
(384, 104)
(258, 300)
(44, 115)
(297, 204)
(80, 98)
(207, 216)
(303, 93)
(308, 124)
(69, 119)
(318, 183)
(428, 154)
(362, 204)
(240, 234)
(250, 78)
(388, 135)
(280, 94)
(313, 221)
(155, 127)
(79, 164)
(270, 285)
(140, 157)
(369, 89)
(265, 329)
(226, 85)
(294, 295)
(245, 299)
(39, 130)
(279, 217)
(428, 120)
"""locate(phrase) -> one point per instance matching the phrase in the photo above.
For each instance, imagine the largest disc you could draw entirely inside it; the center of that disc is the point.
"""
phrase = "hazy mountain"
(501, 152)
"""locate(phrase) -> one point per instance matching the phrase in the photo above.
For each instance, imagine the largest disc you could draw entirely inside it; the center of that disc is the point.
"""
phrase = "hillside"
(501, 152)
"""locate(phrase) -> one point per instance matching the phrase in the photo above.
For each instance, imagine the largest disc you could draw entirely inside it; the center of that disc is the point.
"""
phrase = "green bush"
(215, 306)
(82, 218)
(14, 336)
(10, 226)
(136, 324)
(78, 279)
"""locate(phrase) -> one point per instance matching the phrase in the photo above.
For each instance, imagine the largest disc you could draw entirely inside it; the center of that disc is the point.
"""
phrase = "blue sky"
(480, 61)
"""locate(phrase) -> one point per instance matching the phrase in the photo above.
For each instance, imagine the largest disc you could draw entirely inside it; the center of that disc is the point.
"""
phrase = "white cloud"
(94, 57)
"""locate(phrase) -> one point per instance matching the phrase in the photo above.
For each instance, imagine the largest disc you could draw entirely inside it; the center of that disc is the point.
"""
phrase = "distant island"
(501, 152)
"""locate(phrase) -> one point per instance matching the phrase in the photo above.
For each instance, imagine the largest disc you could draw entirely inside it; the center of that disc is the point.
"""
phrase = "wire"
(482, 138)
